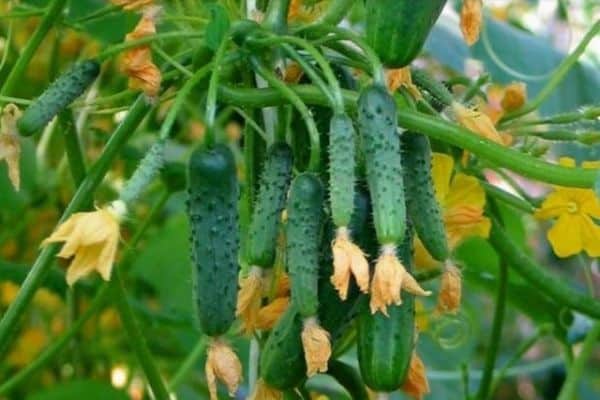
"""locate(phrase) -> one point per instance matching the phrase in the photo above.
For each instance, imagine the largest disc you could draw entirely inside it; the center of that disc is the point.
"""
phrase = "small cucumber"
(420, 199)
(282, 364)
(385, 344)
(270, 201)
(341, 169)
(303, 232)
(381, 146)
(62, 92)
(349, 378)
(397, 29)
(212, 209)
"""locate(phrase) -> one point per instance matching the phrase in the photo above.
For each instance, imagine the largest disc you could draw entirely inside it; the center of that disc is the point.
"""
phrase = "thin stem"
(590, 113)
(587, 271)
(557, 76)
(211, 96)
(276, 16)
(569, 388)
(171, 61)
(22, 14)
(117, 48)
(72, 147)
(507, 198)
(9, 322)
(336, 12)
(136, 340)
(289, 95)
(496, 335)
(253, 360)
(249, 120)
(15, 77)
(102, 12)
(188, 364)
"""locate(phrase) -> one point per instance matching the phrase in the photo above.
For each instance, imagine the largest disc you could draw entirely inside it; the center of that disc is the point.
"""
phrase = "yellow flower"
(470, 20)
(416, 384)
(10, 148)
(317, 347)
(399, 77)
(268, 315)
(462, 200)
(574, 210)
(223, 364)
(348, 259)
(477, 122)
(132, 4)
(503, 98)
(91, 238)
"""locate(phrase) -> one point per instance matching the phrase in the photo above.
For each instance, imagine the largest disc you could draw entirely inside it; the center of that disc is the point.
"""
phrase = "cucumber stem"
(336, 12)
(211, 96)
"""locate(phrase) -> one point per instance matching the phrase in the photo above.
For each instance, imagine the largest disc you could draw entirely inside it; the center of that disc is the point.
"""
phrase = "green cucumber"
(270, 201)
(397, 29)
(212, 209)
(303, 232)
(421, 202)
(385, 344)
(349, 379)
(341, 169)
(381, 147)
(62, 92)
(282, 364)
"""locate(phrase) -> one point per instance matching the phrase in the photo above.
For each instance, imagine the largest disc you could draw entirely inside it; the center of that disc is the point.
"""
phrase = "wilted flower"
(399, 77)
(470, 20)
(223, 364)
(476, 122)
(262, 391)
(268, 315)
(10, 148)
(91, 239)
(317, 347)
(249, 299)
(348, 259)
(416, 384)
(450, 289)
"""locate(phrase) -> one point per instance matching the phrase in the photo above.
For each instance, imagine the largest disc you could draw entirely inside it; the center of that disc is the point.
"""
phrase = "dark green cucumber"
(62, 92)
(270, 201)
(341, 169)
(212, 209)
(303, 233)
(421, 202)
(385, 344)
(349, 378)
(282, 364)
(381, 147)
(397, 29)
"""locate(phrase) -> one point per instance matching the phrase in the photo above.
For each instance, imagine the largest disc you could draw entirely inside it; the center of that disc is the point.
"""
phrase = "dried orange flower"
(292, 73)
(262, 391)
(223, 364)
(10, 147)
(300, 11)
(450, 290)
(399, 77)
(515, 95)
(317, 346)
(268, 315)
(348, 259)
(470, 20)
(416, 384)
(132, 4)
(249, 299)
(389, 278)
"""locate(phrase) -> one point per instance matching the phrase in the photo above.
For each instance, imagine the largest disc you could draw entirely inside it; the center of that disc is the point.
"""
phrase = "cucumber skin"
(303, 232)
(270, 201)
(213, 213)
(62, 92)
(421, 202)
(385, 344)
(383, 161)
(282, 363)
(342, 166)
(397, 29)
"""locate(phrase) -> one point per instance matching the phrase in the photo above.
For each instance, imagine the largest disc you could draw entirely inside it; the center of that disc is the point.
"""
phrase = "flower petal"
(565, 235)
(554, 205)
(441, 172)
(317, 347)
(590, 236)
(465, 190)
(85, 261)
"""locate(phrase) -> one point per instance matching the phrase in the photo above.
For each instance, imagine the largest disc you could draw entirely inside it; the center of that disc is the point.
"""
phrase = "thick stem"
(211, 97)
(72, 147)
(276, 16)
(496, 335)
(10, 319)
(15, 76)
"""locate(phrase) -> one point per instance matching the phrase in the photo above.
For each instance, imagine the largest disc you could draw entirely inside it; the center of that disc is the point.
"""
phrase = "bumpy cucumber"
(282, 364)
(385, 344)
(62, 92)
(381, 147)
(397, 29)
(341, 169)
(213, 213)
(270, 201)
(421, 203)
(303, 232)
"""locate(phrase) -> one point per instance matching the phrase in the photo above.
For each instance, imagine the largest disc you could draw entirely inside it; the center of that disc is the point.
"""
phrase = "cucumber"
(397, 29)
(341, 169)
(303, 232)
(385, 344)
(62, 92)
(421, 202)
(212, 209)
(270, 201)
(282, 364)
(381, 147)
(349, 379)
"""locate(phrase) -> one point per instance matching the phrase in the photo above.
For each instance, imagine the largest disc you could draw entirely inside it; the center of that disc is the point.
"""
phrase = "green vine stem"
(538, 277)
(117, 48)
(102, 12)
(15, 76)
(276, 16)
(10, 319)
(57, 344)
(188, 364)
(507, 198)
(72, 147)
(288, 94)
(557, 76)
(496, 335)
(211, 96)
(336, 12)
(569, 389)
(433, 127)
(589, 112)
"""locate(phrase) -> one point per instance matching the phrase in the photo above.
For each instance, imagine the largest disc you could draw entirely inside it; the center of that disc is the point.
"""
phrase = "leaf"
(76, 390)
(218, 26)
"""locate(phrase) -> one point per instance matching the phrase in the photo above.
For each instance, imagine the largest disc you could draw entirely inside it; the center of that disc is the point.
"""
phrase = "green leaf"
(218, 26)
(76, 390)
